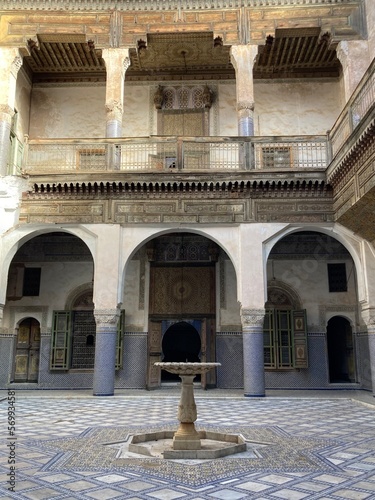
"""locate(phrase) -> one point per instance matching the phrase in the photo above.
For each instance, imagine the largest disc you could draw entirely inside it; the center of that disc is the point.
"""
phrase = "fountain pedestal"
(187, 437)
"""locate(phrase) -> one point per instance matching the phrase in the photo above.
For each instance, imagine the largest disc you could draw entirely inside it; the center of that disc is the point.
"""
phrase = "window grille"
(285, 340)
(62, 357)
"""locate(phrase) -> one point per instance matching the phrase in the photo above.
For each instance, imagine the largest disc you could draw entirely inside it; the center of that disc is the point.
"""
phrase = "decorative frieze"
(185, 204)
(152, 5)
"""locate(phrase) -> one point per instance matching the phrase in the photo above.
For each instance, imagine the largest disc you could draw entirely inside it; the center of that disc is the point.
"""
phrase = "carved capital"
(245, 105)
(114, 110)
(16, 66)
(252, 317)
(106, 317)
(6, 113)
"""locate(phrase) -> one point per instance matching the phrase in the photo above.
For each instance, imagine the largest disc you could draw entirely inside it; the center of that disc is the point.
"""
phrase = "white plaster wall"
(67, 112)
(281, 108)
(134, 318)
(11, 189)
(309, 278)
(57, 281)
(285, 107)
(136, 121)
(370, 15)
(230, 315)
(296, 107)
(228, 123)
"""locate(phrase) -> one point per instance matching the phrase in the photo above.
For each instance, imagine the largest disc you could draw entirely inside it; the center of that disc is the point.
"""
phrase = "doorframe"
(348, 358)
(201, 324)
(31, 349)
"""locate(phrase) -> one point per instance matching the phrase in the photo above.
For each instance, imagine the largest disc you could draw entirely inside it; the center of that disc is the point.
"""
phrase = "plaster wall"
(281, 108)
(296, 107)
(67, 112)
(58, 280)
(134, 317)
(135, 120)
(228, 125)
(370, 15)
(309, 279)
(230, 312)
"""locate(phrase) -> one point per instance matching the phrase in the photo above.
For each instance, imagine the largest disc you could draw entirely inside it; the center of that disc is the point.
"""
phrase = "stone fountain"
(186, 437)
(187, 442)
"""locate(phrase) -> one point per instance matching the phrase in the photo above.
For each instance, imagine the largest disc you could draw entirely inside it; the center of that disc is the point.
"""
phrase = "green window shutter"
(61, 335)
(300, 338)
(269, 339)
(120, 336)
(285, 344)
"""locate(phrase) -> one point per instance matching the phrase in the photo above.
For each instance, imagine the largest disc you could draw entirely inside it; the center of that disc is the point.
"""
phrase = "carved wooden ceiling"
(291, 53)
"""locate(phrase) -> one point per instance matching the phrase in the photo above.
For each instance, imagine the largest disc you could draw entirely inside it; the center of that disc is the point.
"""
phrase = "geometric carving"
(182, 290)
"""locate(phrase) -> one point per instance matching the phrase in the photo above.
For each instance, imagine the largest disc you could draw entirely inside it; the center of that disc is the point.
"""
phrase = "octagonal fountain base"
(213, 445)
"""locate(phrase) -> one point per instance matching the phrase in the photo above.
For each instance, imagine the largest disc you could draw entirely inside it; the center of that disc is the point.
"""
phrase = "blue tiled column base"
(254, 384)
(105, 357)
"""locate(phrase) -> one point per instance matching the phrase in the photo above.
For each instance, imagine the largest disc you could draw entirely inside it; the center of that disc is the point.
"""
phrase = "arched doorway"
(26, 362)
(340, 351)
(182, 290)
(181, 342)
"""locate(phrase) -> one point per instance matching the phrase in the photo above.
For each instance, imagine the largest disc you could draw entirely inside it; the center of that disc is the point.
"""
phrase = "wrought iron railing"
(360, 105)
(169, 153)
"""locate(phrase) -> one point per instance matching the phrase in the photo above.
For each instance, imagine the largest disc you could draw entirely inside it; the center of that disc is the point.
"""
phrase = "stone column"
(242, 58)
(105, 351)
(10, 64)
(369, 317)
(253, 354)
(117, 62)
(354, 58)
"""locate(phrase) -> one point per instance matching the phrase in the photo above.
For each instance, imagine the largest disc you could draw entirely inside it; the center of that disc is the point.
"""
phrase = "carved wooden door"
(26, 367)
(154, 354)
(183, 122)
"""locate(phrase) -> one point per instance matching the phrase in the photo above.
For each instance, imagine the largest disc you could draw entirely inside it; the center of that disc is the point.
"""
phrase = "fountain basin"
(186, 368)
(213, 445)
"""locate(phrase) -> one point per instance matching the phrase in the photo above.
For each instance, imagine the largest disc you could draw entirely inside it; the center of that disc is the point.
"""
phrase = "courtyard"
(300, 445)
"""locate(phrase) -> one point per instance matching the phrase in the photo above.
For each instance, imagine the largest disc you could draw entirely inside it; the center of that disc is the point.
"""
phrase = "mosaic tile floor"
(301, 448)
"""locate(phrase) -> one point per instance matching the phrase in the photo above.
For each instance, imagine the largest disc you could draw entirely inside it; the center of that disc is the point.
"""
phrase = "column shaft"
(117, 61)
(243, 57)
(105, 352)
(253, 354)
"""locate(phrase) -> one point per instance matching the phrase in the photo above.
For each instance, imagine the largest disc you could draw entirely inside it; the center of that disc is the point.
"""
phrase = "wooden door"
(183, 122)
(154, 355)
(26, 366)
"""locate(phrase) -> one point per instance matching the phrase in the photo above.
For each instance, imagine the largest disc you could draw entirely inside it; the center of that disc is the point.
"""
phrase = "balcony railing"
(175, 153)
(360, 105)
